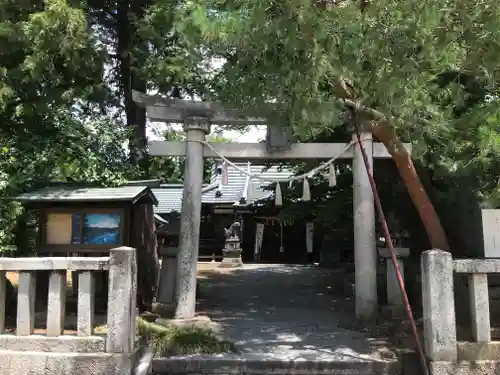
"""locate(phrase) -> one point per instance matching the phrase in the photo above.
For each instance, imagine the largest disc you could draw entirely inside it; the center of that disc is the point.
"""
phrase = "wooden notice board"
(58, 228)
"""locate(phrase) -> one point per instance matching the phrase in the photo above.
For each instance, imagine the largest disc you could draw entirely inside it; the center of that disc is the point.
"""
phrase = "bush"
(175, 340)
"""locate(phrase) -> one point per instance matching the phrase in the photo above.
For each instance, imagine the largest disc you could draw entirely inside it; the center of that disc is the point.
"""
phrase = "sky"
(255, 133)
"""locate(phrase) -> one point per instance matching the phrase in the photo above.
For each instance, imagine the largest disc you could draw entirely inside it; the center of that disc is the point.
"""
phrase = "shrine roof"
(160, 219)
(169, 198)
(235, 188)
(170, 195)
(64, 193)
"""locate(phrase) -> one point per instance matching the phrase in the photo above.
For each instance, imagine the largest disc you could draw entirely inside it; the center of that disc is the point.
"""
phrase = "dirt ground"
(292, 311)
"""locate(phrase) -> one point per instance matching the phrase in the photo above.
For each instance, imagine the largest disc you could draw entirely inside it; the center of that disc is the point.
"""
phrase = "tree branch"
(360, 107)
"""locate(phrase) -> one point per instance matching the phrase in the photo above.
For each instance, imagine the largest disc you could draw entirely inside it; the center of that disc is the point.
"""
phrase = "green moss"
(174, 340)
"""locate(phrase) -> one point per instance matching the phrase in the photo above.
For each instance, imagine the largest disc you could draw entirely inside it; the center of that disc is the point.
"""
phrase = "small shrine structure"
(90, 221)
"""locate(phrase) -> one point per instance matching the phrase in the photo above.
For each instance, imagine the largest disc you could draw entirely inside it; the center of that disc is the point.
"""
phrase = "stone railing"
(85, 352)
(445, 353)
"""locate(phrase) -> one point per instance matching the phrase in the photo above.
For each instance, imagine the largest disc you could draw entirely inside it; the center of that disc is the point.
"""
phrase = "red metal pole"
(388, 239)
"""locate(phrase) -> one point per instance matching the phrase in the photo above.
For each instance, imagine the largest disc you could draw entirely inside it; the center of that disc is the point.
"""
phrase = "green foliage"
(285, 59)
(391, 53)
(66, 74)
(430, 67)
(173, 340)
(67, 70)
(170, 65)
(52, 92)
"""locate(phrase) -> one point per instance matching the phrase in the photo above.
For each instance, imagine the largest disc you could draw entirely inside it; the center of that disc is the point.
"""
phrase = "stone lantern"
(231, 253)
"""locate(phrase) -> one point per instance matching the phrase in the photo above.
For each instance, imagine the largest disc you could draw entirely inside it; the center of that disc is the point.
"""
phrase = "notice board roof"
(70, 194)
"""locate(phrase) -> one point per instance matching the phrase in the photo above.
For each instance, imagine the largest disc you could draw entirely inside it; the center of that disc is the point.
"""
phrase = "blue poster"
(76, 229)
(101, 229)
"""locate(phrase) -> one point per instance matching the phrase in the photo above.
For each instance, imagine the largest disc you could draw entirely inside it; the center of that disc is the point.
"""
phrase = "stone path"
(282, 312)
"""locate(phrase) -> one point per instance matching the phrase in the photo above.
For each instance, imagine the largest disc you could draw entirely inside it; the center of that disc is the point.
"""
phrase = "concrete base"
(478, 351)
(60, 344)
(240, 365)
(231, 258)
(465, 368)
(39, 363)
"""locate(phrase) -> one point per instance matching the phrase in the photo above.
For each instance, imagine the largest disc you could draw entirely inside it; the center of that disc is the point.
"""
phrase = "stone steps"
(225, 365)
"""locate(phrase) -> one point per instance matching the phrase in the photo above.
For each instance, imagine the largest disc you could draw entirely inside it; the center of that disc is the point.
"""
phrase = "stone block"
(464, 368)
(477, 351)
(479, 307)
(54, 264)
(61, 344)
(122, 294)
(56, 308)
(168, 274)
(394, 297)
(227, 364)
(438, 306)
(86, 299)
(26, 303)
(476, 265)
(231, 258)
(198, 322)
(39, 363)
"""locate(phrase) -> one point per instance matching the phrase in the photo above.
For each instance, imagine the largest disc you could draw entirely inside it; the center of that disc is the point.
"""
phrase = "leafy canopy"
(293, 54)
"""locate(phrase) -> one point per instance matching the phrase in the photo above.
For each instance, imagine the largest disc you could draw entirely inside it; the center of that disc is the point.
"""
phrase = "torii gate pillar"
(187, 258)
(365, 252)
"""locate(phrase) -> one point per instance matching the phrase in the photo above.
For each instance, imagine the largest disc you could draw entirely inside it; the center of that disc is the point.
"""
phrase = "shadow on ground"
(287, 312)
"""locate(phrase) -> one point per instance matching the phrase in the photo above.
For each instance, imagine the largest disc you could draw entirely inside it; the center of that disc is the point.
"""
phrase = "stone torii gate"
(197, 118)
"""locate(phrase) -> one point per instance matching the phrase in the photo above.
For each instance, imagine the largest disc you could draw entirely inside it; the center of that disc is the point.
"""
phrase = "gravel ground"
(284, 312)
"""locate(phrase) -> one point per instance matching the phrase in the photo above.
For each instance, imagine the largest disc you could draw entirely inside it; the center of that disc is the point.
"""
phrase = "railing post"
(26, 303)
(56, 304)
(122, 295)
(438, 305)
(480, 307)
(86, 299)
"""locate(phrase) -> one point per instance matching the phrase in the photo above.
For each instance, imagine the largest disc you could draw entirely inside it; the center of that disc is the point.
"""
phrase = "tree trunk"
(385, 134)
(127, 39)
